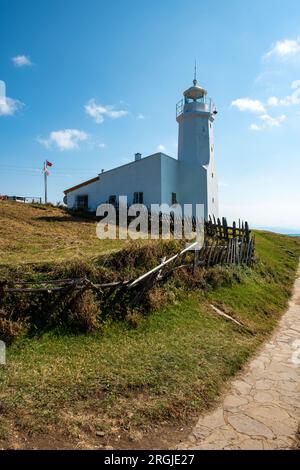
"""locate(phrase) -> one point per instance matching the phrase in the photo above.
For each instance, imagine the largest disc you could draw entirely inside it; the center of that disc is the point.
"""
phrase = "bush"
(9, 329)
(134, 318)
(139, 257)
(83, 313)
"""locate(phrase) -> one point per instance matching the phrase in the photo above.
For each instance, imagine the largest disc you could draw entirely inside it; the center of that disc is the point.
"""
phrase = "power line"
(92, 170)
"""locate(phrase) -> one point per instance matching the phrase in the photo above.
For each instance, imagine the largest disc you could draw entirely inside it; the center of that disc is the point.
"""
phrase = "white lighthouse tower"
(196, 157)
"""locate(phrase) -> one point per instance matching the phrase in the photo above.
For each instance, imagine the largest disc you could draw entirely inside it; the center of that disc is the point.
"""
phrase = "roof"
(134, 162)
(85, 183)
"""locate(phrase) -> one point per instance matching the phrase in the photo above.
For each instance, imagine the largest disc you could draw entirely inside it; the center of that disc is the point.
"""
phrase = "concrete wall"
(198, 179)
(169, 179)
(91, 190)
(155, 176)
(139, 176)
(212, 178)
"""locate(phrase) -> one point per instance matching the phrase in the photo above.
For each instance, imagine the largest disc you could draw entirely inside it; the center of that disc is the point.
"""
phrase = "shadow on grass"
(68, 218)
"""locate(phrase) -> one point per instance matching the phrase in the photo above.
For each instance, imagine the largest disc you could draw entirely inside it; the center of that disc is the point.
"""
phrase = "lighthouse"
(159, 179)
(197, 182)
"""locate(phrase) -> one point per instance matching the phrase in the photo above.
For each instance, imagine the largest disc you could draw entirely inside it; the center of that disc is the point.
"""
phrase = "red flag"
(48, 163)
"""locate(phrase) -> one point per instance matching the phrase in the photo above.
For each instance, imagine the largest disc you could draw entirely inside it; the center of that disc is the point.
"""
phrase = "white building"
(158, 178)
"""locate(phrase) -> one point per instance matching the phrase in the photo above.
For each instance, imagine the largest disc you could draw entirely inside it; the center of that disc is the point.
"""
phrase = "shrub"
(134, 318)
(82, 313)
(9, 329)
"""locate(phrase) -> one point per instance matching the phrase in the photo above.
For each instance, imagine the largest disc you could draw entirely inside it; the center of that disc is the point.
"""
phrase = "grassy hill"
(139, 381)
(34, 233)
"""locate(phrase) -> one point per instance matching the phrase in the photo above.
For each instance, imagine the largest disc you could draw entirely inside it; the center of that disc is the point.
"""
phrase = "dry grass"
(145, 370)
(33, 233)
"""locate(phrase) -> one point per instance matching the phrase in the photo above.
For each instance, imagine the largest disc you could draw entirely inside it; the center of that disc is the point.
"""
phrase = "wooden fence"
(223, 245)
(213, 228)
(221, 230)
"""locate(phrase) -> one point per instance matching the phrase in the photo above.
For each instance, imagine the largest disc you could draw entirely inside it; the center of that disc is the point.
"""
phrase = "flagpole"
(45, 181)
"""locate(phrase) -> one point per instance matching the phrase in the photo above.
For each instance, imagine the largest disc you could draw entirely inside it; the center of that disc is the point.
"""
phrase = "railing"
(206, 104)
(26, 199)
(179, 107)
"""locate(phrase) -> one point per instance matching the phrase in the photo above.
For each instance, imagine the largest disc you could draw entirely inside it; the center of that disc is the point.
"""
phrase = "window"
(213, 200)
(82, 202)
(112, 199)
(212, 175)
(174, 198)
(138, 198)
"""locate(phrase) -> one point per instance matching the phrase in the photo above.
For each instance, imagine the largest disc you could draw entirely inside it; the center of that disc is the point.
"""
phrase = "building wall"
(169, 179)
(92, 191)
(212, 178)
(139, 176)
(196, 158)
(155, 176)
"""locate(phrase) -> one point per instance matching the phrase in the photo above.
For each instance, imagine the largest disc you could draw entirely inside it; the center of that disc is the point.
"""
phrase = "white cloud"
(267, 122)
(295, 84)
(161, 148)
(294, 98)
(67, 139)
(285, 48)
(9, 106)
(101, 146)
(256, 106)
(21, 61)
(289, 100)
(273, 101)
(45, 142)
(255, 127)
(98, 112)
(267, 76)
(247, 104)
(273, 122)
(140, 116)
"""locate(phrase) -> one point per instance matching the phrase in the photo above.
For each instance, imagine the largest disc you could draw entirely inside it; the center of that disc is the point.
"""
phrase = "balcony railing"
(205, 104)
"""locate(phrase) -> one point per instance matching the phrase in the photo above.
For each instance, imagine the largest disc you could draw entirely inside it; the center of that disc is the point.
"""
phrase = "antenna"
(195, 73)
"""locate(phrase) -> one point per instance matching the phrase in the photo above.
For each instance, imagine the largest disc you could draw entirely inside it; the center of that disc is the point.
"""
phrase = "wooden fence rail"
(217, 228)
(223, 245)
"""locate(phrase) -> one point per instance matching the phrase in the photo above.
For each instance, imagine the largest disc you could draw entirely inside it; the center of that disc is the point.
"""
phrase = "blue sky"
(89, 83)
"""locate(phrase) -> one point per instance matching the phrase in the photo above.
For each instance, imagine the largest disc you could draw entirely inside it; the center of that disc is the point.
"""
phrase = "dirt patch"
(157, 438)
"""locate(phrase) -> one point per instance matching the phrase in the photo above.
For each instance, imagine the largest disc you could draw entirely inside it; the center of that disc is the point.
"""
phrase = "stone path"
(262, 408)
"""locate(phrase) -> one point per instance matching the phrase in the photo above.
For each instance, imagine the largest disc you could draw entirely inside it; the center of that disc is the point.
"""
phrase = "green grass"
(174, 364)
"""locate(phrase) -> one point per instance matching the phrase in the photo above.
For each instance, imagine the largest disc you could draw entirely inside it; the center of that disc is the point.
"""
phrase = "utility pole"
(45, 180)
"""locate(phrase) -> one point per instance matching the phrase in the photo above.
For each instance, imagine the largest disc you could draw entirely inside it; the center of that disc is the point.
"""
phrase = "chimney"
(102, 171)
(137, 156)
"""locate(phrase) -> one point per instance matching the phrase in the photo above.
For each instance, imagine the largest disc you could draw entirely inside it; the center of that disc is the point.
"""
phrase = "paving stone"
(246, 425)
(251, 444)
(262, 408)
(213, 420)
(242, 387)
(264, 384)
(263, 397)
(266, 413)
(233, 401)
(200, 432)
